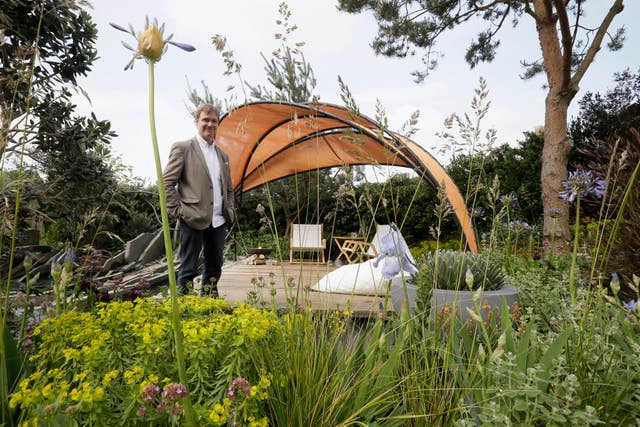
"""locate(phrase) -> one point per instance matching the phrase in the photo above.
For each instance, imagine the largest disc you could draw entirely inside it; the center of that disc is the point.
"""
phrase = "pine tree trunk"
(555, 151)
(555, 154)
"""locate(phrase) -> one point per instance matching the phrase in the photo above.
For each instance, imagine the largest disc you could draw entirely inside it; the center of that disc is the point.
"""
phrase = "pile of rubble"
(142, 258)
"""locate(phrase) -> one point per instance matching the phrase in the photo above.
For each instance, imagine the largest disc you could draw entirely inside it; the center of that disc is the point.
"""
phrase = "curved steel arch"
(267, 141)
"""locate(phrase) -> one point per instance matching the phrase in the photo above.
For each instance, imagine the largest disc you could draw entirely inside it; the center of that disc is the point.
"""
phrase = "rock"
(154, 250)
(134, 248)
(115, 260)
(129, 267)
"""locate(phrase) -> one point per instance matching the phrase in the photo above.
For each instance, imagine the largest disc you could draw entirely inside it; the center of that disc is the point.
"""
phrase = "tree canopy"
(46, 46)
(603, 116)
(568, 48)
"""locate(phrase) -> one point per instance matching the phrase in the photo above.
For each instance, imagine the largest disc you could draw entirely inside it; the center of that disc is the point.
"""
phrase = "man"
(198, 190)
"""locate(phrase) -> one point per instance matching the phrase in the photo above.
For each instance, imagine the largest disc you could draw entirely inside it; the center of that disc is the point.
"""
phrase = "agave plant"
(457, 270)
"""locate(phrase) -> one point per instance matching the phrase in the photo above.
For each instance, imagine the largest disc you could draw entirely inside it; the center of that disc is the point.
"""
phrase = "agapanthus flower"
(65, 256)
(511, 200)
(631, 305)
(583, 183)
(151, 44)
(395, 254)
(479, 212)
(519, 225)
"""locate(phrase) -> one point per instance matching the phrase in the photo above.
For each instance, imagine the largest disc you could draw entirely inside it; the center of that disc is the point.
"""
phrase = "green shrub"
(427, 246)
(115, 361)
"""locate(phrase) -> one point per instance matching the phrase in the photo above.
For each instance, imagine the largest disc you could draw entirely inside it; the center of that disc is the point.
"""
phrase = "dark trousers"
(211, 242)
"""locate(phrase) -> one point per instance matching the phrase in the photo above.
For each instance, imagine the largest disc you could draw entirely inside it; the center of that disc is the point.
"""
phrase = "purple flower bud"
(150, 392)
(239, 384)
(151, 44)
(175, 409)
(173, 392)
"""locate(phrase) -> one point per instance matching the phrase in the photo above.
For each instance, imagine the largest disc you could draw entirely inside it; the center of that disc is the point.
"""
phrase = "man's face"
(207, 124)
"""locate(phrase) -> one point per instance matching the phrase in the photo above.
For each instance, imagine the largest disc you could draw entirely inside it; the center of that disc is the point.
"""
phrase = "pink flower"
(173, 392)
(175, 409)
(150, 392)
(239, 384)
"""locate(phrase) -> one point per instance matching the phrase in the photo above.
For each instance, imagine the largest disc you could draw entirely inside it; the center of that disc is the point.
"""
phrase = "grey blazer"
(188, 188)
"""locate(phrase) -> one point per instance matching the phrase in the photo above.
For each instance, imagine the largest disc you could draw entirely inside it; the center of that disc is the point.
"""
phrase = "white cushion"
(357, 279)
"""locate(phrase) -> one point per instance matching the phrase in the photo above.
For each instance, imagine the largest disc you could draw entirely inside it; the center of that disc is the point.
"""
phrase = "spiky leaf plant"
(457, 270)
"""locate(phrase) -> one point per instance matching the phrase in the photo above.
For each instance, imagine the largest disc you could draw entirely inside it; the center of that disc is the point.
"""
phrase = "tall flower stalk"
(579, 184)
(151, 47)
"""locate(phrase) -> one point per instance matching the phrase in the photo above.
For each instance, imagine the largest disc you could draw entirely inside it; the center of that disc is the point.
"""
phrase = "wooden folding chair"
(307, 238)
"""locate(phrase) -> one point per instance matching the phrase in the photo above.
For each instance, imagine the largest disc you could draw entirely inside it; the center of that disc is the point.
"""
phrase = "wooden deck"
(290, 281)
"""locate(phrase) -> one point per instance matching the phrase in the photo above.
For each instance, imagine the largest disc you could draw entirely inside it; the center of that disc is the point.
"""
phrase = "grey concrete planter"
(458, 301)
(443, 301)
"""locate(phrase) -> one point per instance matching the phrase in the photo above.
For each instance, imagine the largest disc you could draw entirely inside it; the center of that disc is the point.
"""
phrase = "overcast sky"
(337, 44)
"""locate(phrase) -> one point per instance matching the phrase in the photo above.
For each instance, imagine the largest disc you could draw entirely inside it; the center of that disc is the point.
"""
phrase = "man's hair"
(209, 108)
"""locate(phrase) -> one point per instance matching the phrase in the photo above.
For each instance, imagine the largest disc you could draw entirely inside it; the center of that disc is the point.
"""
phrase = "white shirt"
(213, 164)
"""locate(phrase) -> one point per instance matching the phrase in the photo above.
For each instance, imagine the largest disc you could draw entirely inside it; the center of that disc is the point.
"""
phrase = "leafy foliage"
(606, 139)
(100, 366)
(623, 254)
(547, 362)
(604, 116)
(46, 46)
(414, 25)
(519, 171)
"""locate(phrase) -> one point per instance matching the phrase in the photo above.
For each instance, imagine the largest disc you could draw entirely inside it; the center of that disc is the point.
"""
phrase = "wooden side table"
(352, 249)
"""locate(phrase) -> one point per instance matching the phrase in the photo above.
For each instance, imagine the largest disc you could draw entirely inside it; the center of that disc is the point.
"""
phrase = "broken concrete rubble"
(143, 257)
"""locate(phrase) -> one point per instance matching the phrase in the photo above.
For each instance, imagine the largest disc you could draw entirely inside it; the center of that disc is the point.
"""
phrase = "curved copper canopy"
(267, 141)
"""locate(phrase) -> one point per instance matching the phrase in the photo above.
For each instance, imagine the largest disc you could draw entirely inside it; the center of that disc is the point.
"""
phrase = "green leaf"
(522, 351)
(11, 358)
(59, 420)
(546, 362)
(507, 327)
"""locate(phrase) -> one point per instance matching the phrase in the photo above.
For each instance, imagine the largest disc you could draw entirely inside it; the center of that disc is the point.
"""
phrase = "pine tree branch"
(615, 9)
(565, 30)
